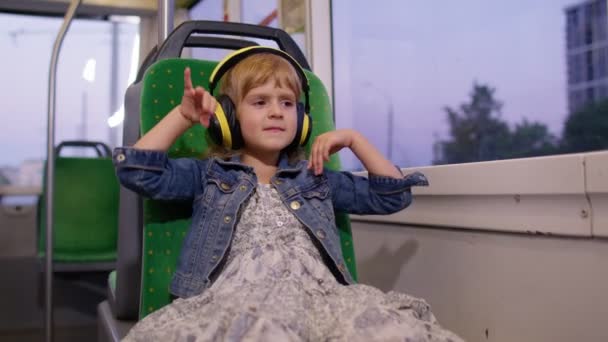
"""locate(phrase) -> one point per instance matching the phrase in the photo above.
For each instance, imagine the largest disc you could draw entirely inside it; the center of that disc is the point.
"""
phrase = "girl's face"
(268, 118)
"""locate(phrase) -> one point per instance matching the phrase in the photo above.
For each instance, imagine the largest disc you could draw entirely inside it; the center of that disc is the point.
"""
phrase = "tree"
(586, 129)
(531, 139)
(477, 133)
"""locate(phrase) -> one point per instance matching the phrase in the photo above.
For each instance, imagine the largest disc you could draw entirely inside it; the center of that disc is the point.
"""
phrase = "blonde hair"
(252, 72)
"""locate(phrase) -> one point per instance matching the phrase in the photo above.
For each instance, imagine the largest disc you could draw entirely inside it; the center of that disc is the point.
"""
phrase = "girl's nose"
(275, 110)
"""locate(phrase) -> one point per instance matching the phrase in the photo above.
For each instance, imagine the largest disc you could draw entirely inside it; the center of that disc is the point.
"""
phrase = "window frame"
(564, 195)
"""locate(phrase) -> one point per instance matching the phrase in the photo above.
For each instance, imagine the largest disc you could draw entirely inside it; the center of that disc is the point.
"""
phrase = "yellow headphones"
(224, 127)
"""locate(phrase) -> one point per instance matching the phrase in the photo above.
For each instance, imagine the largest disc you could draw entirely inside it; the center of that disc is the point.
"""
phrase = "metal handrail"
(50, 168)
(165, 19)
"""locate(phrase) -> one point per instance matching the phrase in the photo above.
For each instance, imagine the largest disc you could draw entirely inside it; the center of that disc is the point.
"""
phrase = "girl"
(262, 259)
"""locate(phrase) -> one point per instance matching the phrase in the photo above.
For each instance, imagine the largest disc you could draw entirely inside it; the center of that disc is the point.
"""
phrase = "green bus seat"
(150, 233)
(85, 212)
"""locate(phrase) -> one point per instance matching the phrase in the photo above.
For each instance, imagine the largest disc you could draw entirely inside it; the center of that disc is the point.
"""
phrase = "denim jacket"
(218, 190)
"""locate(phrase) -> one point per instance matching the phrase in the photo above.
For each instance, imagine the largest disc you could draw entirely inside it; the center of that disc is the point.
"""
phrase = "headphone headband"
(235, 57)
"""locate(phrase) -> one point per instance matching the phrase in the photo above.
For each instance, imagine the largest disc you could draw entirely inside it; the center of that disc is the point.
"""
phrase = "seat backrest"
(165, 224)
(85, 213)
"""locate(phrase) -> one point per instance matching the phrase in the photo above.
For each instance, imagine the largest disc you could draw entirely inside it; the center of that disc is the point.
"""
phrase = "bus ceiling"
(89, 7)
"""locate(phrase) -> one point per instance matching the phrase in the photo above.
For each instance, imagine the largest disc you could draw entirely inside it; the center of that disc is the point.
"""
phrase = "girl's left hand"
(327, 144)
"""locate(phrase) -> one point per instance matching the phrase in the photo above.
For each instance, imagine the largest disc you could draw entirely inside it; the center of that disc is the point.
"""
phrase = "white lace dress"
(275, 287)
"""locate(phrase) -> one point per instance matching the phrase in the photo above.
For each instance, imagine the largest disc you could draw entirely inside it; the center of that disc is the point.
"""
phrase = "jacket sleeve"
(373, 195)
(153, 174)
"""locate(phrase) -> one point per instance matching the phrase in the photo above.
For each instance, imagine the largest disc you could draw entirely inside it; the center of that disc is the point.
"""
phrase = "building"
(587, 53)
(30, 173)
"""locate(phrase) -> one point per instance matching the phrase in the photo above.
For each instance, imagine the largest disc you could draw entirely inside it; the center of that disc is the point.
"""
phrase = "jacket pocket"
(224, 186)
(217, 192)
(320, 192)
(318, 198)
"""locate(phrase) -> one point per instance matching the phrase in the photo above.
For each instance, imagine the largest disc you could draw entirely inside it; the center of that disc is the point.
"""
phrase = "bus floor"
(22, 298)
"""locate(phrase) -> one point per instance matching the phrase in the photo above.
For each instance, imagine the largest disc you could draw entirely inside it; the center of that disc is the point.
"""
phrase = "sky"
(419, 58)
(408, 57)
(26, 44)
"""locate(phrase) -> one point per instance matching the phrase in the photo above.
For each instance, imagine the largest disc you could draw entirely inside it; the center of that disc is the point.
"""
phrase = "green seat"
(85, 211)
(165, 224)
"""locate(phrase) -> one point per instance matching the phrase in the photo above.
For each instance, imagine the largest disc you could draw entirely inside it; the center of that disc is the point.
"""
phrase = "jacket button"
(278, 181)
(243, 187)
(214, 258)
(120, 157)
(227, 219)
(321, 234)
(295, 205)
(225, 186)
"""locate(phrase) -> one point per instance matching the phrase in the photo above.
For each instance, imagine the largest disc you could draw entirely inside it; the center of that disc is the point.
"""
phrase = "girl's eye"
(259, 103)
(288, 103)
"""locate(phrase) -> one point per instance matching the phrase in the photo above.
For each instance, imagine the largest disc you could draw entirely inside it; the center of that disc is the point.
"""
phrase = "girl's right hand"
(197, 104)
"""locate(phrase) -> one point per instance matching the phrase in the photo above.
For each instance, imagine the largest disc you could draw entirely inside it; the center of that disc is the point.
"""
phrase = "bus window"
(473, 81)
(95, 65)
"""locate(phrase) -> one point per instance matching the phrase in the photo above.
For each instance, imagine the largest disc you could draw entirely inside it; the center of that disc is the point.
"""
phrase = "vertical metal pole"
(233, 10)
(113, 134)
(391, 127)
(165, 19)
(50, 168)
(308, 49)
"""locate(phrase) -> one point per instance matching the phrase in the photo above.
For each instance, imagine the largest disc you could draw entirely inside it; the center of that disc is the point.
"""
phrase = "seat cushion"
(85, 211)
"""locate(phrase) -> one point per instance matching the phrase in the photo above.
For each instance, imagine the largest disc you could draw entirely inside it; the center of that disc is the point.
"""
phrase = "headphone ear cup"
(233, 122)
(300, 109)
(214, 131)
(302, 129)
(306, 129)
(301, 117)
(229, 133)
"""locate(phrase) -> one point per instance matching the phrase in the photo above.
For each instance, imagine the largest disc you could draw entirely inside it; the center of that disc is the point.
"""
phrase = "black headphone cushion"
(215, 130)
(300, 128)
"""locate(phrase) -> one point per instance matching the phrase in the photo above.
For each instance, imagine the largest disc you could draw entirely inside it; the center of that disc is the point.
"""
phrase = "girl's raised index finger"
(187, 79)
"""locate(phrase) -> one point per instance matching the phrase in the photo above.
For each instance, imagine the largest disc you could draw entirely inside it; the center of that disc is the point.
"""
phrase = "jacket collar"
(283, 165)
(233, 163)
